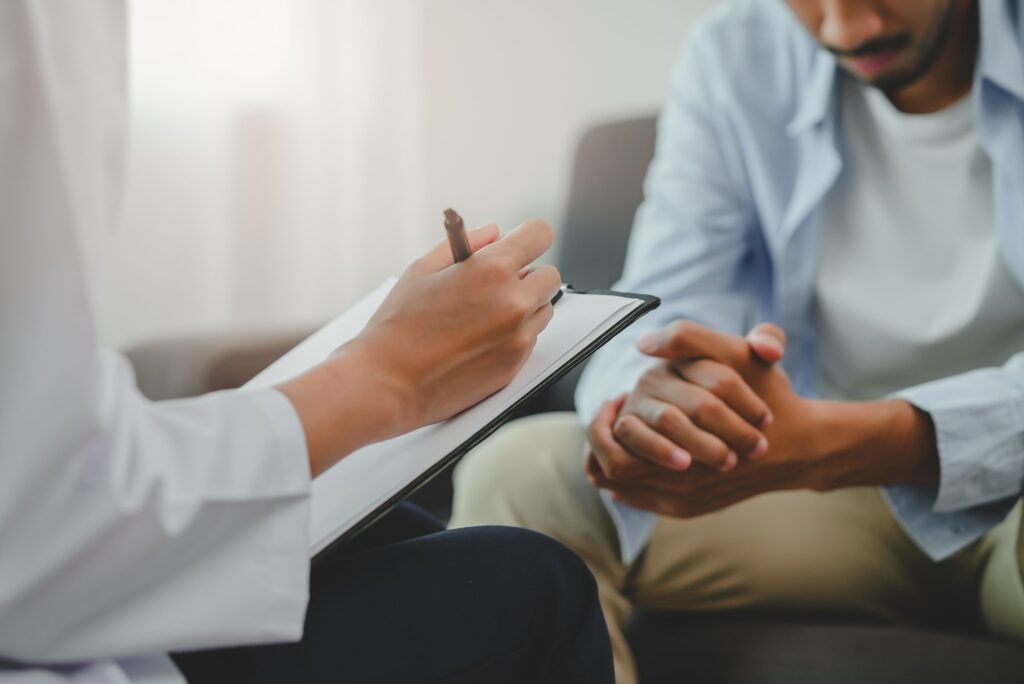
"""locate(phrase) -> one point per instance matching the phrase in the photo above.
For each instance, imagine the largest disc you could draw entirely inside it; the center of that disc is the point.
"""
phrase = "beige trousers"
(836, 554)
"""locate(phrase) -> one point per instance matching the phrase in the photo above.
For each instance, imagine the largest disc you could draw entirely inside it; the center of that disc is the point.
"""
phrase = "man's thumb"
(768, 342)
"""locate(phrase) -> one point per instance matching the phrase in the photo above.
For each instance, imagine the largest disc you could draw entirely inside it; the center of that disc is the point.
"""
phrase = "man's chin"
(892, 80)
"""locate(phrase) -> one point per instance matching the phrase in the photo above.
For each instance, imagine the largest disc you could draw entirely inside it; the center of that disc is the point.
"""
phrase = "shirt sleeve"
(979, 429)
(127, 527)
(693, 244)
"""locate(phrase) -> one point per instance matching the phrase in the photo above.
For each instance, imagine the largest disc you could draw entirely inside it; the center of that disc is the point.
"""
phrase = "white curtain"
(276, 162)
(286, 155)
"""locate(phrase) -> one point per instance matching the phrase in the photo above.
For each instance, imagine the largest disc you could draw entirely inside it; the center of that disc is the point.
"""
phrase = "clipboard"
(392, 476)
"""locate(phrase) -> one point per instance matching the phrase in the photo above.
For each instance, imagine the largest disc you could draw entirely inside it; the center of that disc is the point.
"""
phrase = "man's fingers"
(644, 441)
(440, 257)
(523, 245)
(768, 342)
(542, 283)
(729, 386)
(686, 339)
(707, 445)
(614, 461)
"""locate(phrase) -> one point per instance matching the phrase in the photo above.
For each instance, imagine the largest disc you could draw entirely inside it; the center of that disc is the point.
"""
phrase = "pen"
(459, 242)
(456, 228)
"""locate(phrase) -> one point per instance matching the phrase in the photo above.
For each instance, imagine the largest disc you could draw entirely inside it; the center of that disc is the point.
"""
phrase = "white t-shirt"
(911, 286)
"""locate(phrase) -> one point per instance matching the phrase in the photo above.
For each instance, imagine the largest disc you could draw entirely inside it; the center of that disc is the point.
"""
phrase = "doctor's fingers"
(661, 432)
(440, 257)
(522, 246)
(537, 322)
(541, 284)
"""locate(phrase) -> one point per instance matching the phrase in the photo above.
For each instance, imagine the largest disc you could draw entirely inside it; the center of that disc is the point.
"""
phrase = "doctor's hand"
(447, 336)
(697, 405)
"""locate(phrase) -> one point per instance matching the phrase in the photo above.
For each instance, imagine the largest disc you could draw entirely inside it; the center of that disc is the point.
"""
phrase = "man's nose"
(848, 24)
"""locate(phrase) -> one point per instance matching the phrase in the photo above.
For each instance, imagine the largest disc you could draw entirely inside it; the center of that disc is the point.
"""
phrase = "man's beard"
(902, 79)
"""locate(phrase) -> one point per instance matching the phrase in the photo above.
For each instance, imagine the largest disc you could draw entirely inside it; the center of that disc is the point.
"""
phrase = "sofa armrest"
(189, 366)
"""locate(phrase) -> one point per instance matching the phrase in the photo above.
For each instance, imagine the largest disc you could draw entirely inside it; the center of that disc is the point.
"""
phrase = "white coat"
(128, 528)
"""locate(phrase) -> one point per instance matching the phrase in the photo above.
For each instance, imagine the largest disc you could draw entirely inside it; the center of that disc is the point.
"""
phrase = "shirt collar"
(1000, 59)
(816, 97)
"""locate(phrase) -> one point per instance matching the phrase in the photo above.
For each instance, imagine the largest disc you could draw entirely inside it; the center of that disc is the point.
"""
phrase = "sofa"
(733, 648)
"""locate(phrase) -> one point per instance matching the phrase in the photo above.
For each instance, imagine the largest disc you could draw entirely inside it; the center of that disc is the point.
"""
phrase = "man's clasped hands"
(714, 422)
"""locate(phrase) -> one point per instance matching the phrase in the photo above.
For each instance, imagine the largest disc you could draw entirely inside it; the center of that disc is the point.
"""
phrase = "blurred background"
(286, 155)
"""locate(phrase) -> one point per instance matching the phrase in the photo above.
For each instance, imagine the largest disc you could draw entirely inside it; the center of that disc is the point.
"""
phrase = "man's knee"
(509, 476)
(1002, 581)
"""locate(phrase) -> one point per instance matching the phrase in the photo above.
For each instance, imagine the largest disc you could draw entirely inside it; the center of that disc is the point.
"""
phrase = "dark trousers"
(410, 602)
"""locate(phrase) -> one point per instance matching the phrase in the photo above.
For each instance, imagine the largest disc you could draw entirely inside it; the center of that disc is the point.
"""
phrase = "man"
(129, 529)
(850, 170)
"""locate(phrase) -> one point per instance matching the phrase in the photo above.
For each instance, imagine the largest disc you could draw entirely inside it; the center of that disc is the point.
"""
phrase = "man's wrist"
(876, 443)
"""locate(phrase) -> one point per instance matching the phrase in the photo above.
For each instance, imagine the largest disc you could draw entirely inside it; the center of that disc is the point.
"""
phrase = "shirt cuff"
(289, 434)
(285, 553)
(633, 525)
(979, 430)
(940, 535)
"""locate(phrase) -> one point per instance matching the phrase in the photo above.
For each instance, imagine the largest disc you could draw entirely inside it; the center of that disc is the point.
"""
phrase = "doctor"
(130, 529)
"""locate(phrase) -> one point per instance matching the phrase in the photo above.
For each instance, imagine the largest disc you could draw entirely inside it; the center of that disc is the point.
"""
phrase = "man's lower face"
(905, 59)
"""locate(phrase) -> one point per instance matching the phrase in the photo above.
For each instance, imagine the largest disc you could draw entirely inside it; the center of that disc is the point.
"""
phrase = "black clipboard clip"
(566, 287)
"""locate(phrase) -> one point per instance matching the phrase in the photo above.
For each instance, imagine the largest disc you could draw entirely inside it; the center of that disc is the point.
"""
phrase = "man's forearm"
(888, 442)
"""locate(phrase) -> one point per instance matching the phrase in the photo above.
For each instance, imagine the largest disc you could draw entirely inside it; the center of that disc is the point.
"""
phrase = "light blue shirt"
(748, 148)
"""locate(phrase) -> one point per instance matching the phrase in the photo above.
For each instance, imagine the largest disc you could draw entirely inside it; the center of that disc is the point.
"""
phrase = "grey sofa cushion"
(749, 649)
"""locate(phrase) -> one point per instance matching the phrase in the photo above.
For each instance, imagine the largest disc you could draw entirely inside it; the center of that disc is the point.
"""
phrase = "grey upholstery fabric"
(750, 649)
(188, 366)
(607, 187)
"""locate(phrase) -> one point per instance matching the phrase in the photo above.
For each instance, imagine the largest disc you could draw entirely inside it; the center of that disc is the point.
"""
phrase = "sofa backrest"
(606, 189)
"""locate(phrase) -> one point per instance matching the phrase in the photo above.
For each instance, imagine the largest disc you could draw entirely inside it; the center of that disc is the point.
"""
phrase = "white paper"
(366, 479)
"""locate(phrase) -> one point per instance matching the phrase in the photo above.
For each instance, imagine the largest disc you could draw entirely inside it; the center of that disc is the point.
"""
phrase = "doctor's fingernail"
(681, 459)
(767, 421)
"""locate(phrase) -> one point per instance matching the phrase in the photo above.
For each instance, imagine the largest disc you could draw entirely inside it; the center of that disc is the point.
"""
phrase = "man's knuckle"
(625, 428)
(615, 469)
(647, 381)
(725, 383)
(669, 419)
(707, 410)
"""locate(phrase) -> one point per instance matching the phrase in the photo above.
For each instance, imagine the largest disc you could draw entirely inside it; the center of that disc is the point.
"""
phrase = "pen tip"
(451, 218)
